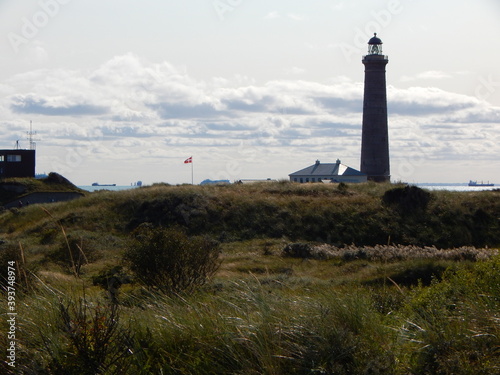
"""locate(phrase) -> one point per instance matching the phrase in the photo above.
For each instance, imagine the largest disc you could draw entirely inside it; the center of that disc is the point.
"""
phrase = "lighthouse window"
(14, 158)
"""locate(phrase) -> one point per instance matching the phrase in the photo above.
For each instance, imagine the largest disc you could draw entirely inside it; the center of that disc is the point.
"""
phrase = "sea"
(428, 186)
(454, 187)
(109, 188)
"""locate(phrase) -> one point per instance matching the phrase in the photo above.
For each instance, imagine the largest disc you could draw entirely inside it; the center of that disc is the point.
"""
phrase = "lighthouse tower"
(375, 137)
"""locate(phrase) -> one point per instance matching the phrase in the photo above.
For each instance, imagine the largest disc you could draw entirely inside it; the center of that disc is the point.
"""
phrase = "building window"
(307, 179)
(1, 158)
(319, 179)
(301, 180)
(14, 158)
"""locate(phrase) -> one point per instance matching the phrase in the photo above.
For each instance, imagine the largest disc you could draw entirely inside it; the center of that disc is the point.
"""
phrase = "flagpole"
(189, 160)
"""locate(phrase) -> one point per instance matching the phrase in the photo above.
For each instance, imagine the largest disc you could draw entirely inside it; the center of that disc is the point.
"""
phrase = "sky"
(126, 90)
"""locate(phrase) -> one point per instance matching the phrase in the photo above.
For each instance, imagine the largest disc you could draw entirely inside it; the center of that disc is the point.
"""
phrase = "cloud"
(429, 75)
(129, 89)
(418, 101)
(176, 111)
(129, 106)
(29, 104)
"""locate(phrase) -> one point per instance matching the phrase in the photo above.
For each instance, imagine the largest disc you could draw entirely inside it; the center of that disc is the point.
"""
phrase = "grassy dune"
(313, 279)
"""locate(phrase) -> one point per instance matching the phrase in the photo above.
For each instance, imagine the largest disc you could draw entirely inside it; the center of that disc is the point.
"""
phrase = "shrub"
(74, 251)
(111, 280)
(416, 272)
(453, 327)
(342, 188)
(407, 200)
(298, 250)
(90, 340)
(348, 337)
(171, 261)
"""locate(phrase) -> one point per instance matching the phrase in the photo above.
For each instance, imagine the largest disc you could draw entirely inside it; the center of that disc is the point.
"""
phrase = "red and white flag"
(188, 160)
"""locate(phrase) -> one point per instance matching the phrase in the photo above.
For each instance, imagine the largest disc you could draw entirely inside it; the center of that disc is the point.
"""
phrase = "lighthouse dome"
(374, 40)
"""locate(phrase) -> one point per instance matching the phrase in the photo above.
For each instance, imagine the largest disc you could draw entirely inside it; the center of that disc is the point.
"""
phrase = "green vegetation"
(169, 260)
(274, 278)
(15, 188)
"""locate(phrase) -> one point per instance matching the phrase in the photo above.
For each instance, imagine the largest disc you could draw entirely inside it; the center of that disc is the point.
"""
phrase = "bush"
(407, 200)
(453, 327)
(171, 261)
(74, 251)
(348, 337)
(111, 280)
(90, 340)
(414, 273)
(298, 250)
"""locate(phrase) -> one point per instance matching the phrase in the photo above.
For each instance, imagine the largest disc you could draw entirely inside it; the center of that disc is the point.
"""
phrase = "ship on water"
(475, 183)
(98, 184)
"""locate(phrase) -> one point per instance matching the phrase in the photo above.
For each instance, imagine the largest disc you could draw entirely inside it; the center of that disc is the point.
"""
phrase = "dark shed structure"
(17, 163)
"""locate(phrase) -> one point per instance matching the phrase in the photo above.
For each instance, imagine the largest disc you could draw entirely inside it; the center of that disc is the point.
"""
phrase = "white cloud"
(129, 108)
(428, 75)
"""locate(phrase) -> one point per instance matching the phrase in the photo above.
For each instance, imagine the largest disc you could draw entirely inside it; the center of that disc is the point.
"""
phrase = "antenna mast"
(31, 133)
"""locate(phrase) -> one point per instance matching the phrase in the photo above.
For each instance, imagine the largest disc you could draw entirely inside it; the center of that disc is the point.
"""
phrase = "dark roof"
(375, 40)
(328, 169)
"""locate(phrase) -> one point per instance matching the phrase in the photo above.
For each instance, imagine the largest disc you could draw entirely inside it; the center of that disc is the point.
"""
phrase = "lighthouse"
(375, 137)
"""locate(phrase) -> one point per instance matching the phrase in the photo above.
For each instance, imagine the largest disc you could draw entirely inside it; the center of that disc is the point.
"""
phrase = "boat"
(475, 183)
(98, 184)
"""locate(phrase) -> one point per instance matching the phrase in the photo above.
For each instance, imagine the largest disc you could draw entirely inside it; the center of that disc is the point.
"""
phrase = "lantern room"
(375, 46)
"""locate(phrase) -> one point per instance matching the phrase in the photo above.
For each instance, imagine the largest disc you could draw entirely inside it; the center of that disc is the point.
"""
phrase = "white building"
(328, 172)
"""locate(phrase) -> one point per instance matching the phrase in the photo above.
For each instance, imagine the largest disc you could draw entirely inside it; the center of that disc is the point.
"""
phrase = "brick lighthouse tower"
(375, 137)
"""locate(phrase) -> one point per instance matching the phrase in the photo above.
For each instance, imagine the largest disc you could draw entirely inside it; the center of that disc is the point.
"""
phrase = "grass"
(312, 212)
(267, 324)
(374, 292)
(13, 188)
